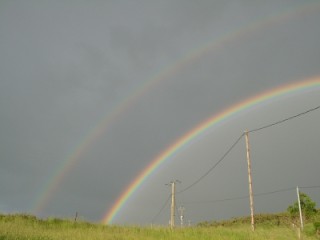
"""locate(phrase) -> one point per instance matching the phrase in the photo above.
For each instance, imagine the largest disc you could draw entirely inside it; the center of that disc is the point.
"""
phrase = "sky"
(113, 84)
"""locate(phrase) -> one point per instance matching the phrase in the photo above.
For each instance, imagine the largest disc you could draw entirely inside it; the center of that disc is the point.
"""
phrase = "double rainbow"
(61, 172)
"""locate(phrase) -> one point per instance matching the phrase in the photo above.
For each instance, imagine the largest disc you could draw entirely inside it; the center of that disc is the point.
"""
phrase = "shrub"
(308, 207)
(317, 227)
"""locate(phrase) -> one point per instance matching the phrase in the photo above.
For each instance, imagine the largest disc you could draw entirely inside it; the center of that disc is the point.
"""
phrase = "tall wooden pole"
(300, 212)
(75, 218)
(173, 191)
(250, 180)
(173, 201)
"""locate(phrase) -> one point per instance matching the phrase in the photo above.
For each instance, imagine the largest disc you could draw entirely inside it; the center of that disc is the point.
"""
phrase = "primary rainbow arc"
(311, 84)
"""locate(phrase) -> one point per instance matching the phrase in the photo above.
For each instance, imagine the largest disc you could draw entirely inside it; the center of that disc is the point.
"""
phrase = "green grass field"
(23, 227)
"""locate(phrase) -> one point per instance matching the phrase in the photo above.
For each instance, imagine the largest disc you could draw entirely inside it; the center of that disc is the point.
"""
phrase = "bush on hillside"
(308, 207)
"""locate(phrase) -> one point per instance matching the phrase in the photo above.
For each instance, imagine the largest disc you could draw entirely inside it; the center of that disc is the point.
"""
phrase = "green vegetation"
(268, 226)
(308, 207)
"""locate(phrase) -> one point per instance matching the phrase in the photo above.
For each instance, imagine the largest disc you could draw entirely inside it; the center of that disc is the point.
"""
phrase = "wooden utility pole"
(173, 202)
(250, 180)
(300, 212)
(75, 218)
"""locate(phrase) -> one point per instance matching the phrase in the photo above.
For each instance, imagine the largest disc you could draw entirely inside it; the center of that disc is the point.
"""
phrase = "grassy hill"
(279, 219)
(269, 226)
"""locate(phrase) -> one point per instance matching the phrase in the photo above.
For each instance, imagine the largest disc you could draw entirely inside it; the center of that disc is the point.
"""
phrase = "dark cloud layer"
(64, 66)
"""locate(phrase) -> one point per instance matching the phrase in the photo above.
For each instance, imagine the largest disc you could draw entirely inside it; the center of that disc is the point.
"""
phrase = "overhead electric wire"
(217, 200)
(243, 197)
(214, 166)
(276, 191)
(224, 156)
(309, 187)
(284, 120)
(232, 199)
(238, 139)
(161, 209)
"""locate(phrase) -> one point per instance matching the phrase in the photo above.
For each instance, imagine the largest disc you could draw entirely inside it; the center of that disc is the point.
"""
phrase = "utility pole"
(75, 218)
(173, 201)
(300, 212)
(181, 210)
(250, 180)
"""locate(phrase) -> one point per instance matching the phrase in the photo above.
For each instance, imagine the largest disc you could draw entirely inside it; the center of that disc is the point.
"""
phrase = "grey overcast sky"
(65, 66)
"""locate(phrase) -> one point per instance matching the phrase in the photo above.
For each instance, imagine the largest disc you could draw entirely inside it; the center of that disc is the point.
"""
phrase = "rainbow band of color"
(61, 172)
(311, 84)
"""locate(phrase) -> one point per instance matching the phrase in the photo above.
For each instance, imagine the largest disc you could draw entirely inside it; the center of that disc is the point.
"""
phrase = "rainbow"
(60, 173)
(199, 130)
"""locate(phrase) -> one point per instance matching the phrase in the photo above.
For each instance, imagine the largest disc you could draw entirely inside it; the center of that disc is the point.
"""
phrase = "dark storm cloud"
(66, 65)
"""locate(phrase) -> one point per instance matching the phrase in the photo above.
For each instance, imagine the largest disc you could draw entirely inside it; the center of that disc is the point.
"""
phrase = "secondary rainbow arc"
(61, 172)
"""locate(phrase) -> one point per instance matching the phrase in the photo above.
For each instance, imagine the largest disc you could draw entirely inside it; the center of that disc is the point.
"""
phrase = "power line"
(236, 198)
(245, 197)
(284, 120)
(239, 138)
(276, 191)
(161, 209)
(225, 155)
(218, 200)
(309, 187)
(214, 166)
